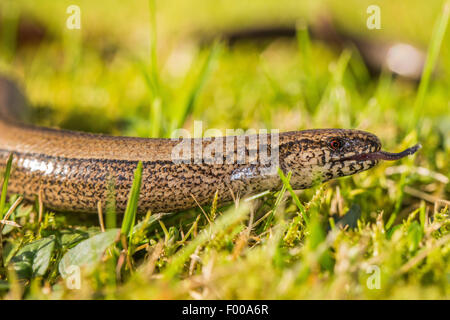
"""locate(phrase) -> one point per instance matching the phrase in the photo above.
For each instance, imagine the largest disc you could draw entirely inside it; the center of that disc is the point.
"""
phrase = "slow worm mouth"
(383, 155)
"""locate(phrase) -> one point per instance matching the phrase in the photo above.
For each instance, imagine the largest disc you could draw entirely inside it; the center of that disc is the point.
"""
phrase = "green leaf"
(88, 252)
(71, 237)
(351, 217)
(33, 259)
(9, 250)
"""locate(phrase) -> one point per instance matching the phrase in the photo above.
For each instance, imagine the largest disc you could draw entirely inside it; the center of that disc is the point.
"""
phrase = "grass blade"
(156, 117)
(277, 204)
(5, 185)
(130, 212)
(304, 46)
(288, 186)
(199, 82)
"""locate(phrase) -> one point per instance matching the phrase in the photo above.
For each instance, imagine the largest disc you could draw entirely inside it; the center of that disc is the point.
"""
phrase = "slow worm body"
(74, 171)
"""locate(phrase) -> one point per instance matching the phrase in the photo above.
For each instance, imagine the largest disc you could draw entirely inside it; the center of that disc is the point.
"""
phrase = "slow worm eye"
(335, 144)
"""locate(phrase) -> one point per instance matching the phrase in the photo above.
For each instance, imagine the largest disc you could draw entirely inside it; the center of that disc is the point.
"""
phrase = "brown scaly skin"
(73, 170)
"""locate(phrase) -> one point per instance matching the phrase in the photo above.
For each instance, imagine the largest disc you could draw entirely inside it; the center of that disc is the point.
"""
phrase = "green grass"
(129, 216)
(433, 52)
(5, 185)
(325, 242)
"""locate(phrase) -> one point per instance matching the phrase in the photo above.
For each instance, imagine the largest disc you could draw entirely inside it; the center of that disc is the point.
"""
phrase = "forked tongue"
(383, 155)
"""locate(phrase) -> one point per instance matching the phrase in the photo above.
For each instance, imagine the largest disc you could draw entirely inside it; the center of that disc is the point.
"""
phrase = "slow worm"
(73, 170)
